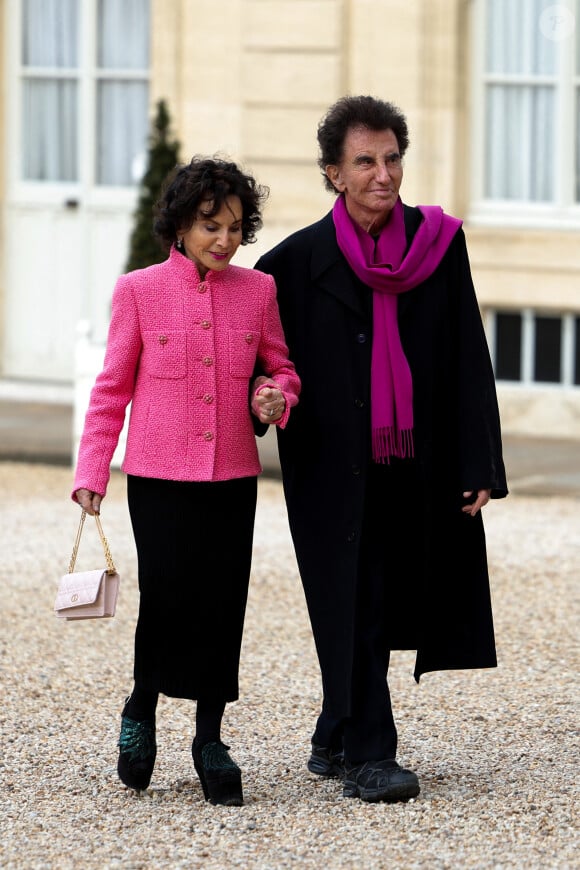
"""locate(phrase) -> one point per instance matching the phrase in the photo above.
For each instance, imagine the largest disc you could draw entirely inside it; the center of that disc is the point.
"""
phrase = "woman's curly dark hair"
(350, 112)
(206, 181)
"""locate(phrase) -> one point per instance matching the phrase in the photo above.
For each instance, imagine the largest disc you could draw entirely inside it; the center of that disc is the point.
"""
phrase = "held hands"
(480, 501)
(89, 501)
(268, 402)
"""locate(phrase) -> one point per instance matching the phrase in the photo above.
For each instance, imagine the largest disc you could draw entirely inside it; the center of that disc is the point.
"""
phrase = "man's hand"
(483, 496)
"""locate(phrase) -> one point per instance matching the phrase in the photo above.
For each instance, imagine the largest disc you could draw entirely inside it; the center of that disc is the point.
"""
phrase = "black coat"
(325, 449)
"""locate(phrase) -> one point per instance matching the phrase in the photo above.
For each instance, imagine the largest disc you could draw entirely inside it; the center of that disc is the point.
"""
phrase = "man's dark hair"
(348, 113)
(207, 182)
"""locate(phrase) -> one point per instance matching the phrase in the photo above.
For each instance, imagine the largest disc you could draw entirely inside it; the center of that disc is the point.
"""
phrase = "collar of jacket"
(188, 270)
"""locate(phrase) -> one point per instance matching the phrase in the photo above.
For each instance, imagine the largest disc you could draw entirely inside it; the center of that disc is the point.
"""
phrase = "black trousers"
(389, 572)
(194, 549)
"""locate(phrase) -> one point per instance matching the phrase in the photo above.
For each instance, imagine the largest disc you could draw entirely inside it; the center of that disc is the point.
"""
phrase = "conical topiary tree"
(163, 155)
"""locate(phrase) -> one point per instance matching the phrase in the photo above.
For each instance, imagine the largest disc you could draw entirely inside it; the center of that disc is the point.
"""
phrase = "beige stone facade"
(252, 78)
(257, 86)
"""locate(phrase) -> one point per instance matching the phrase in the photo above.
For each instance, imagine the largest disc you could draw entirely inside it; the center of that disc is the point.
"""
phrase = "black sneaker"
(137, 752)
(380, 781)
(220, 776)
(326, 762)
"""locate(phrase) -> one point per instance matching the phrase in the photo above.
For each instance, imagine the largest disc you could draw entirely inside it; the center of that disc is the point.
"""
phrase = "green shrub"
(163, 155)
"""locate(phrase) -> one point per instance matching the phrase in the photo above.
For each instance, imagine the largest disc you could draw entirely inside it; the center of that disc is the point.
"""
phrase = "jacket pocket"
(164, 353)
(243, 347)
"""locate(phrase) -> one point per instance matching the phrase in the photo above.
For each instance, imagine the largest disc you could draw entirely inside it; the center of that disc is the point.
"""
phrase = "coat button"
(361, 338)
(208, 399)
(359, 403)
(205, 324)
(351, 537)
(207, 361)
(163, 339)
(208, 436)
(355, 470)
(201, 288)
(249, 338)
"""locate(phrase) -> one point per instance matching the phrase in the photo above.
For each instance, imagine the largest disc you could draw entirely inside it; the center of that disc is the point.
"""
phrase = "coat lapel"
(412, 221)
(330, 271)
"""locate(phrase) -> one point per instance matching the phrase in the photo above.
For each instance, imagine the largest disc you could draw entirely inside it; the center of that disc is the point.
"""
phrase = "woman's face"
(211, 242)
(369, 175)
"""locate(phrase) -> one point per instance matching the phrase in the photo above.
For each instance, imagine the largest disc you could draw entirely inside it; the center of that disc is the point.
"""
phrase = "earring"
(179, 245)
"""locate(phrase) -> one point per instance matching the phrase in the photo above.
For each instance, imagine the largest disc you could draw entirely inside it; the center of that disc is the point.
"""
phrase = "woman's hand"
(268, 402)
(89, 501)
(482, 498)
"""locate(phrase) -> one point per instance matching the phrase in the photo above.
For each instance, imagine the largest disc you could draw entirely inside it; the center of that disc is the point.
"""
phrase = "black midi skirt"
(194, 550)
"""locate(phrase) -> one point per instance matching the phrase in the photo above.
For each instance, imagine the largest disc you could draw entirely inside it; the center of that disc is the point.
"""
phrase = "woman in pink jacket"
(184, 340)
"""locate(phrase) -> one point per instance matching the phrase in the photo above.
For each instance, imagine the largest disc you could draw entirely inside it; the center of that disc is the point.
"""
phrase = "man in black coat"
(395, 445)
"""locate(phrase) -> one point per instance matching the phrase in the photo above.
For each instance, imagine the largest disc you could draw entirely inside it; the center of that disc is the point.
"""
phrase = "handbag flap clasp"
(79, 589)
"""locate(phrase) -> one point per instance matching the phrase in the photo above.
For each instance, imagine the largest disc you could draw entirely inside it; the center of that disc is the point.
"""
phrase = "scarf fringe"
(390, 442)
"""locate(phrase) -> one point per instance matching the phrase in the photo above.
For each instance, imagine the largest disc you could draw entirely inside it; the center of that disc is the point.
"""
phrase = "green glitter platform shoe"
(137, 752)
(220, 776)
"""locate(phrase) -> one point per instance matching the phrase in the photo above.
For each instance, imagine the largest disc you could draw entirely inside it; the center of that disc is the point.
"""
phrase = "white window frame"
(86, 189)
(564, 212)
(528, 315)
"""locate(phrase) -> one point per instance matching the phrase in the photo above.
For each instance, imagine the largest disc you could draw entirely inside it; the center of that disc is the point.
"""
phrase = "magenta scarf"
(388, 271)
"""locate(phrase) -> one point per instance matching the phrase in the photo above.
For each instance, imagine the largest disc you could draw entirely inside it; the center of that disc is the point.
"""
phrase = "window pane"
(50, 33)
(515, 43)
(122, 126)
(508, 347)
(49, 130)
(548, 349)
(519, 135)
(577, 351)
(124, 34)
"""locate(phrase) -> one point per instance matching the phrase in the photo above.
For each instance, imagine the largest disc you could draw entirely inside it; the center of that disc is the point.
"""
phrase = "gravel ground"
(495, 750)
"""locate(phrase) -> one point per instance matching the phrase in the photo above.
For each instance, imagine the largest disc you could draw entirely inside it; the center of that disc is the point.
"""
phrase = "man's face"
(369, 175)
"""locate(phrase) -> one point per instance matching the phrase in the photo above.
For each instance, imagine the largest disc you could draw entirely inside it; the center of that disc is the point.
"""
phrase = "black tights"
(208, 715)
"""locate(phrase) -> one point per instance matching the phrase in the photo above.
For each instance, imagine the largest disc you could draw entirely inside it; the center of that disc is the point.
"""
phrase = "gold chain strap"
(110, 564)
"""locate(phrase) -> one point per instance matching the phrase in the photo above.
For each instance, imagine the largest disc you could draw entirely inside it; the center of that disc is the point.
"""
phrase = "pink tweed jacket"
(182, 352)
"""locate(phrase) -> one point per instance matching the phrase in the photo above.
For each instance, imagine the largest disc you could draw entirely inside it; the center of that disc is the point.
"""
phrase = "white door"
(77, 125)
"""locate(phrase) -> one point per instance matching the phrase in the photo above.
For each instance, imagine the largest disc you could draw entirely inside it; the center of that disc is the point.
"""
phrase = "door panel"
(75, 119)
(61, 267)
